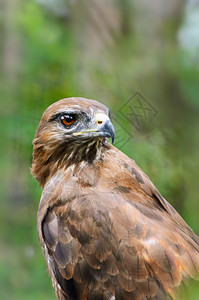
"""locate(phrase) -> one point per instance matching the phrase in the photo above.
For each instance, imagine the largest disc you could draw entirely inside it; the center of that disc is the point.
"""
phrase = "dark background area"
(141, 59)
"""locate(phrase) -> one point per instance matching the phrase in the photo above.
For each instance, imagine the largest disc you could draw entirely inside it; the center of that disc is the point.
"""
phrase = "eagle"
(105, 230)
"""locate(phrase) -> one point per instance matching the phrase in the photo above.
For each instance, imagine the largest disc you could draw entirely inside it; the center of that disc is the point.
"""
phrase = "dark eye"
(68, 120)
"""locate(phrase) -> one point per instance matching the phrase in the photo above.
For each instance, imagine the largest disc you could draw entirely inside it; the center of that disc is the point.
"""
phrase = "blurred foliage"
(107, 53)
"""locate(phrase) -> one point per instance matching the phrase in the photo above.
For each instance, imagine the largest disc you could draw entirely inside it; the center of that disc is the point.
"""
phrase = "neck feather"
(47, 160)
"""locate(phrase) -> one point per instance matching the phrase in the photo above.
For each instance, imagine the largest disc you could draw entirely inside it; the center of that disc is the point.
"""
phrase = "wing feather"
(120, 239)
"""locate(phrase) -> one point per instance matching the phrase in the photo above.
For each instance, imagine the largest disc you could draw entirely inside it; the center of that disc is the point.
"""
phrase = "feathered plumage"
(105, 230)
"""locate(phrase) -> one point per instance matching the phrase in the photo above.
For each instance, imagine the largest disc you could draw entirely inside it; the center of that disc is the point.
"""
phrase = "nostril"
(99, 122)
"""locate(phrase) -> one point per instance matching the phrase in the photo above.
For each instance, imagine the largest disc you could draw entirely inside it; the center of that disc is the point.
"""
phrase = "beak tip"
(110, 129)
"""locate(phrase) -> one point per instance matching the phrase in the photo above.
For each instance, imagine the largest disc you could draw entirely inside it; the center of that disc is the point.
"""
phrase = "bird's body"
(105, 230)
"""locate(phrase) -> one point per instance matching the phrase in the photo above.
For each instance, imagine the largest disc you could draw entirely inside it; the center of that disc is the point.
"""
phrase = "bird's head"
(71, 130)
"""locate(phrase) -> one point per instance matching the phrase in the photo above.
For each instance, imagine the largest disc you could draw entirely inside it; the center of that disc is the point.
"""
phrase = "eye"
(68, 120)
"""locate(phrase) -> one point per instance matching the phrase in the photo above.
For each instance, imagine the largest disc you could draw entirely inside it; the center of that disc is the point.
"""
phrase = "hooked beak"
(103, 127)
(107, 130)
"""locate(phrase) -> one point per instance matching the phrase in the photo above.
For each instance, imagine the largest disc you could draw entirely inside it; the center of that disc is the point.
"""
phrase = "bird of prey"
(105, 230)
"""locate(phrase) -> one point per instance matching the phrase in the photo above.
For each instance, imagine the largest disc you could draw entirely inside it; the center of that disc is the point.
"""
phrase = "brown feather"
(105, 230)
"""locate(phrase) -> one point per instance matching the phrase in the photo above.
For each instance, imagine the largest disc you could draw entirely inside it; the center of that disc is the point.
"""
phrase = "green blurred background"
(140, 58)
